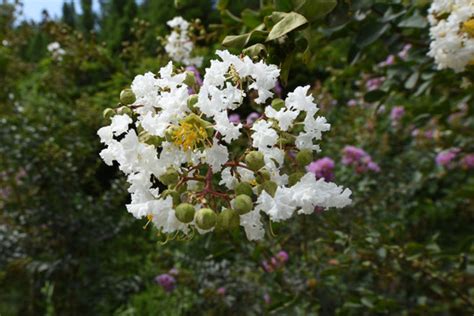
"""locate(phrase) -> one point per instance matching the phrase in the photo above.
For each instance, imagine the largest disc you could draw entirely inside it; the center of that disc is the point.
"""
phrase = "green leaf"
(374, 95)
(289, 23)
(283, 5)
(314, 9)
(412, 80)
(251, 18)
(414, 21)
(370, 32)
(257, 50)
(366, 302)
(242, 41)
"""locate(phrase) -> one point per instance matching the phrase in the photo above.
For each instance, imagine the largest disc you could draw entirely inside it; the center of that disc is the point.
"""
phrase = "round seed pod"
(254, 160)
(243, 188)
(242, 204)
(185, 212)
(205, 218)
(127, 96)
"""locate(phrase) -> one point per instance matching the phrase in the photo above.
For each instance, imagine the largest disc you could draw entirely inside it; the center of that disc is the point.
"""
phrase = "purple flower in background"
(221, 291)
(359, 159)
(468, 161)
(282, 256)
(387, 62)
(445, 157)
(373, 166)
(352, 154)
(166, 281)
(403, 54)
(252, 117)
(352, 102)
(322, 168)
(396, 114)
(234, 118)
(374, 83)
(197, 77)
(267, 299)
(278, 89)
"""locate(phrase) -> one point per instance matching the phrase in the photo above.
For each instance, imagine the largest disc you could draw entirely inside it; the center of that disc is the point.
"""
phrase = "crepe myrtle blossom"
(445, 158)
(179, 45)
(467, 161)
(396, 114)
(374, 83)
(275, 262)
(322, 168)
(452, 33)
(56, 51)
(166, 281)
(359, 159)
(218, 173)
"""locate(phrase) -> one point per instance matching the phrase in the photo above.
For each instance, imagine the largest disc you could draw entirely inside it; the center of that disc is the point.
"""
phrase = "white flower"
(451, 46)
(188, 143)
(264, 136)
(253, 225)
(179, 45)
(120, 124)
(216, 156)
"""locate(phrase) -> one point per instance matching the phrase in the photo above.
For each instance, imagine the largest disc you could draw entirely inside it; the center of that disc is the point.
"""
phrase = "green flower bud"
(170, 177)
(295, 177)
(262, 176)
(174, 195)
(228, 219)
(125, 110)
(169, 133)
(146, 138)
(192, 101)
(243, 188)
(205, 218)
(190, 79)
(108, 113)
(242, 204)
(304, 157)
(127, 96)
(254, 160)
(185, 213)
(270, 187)
(278, 104)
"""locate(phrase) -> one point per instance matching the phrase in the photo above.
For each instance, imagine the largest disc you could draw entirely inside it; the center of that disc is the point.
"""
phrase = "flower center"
(468, 27)
(189, 135)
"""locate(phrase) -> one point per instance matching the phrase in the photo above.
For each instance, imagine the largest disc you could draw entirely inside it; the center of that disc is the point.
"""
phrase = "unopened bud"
(304, 157)
(254, 160)
(294, 178)
(127, 96)
(278, 104)
(125, 110)
(190, 79)
(242, 204)
(270, 187)
(262, 176)
(108, 113)
(205, 218)
(170, 177)
(228, 219)
(243, 188)
(185, 213)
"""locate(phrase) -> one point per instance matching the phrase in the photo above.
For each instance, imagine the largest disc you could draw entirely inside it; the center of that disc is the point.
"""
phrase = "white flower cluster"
(218, 174)
(179, 45)
(56, 51)
(452, 33)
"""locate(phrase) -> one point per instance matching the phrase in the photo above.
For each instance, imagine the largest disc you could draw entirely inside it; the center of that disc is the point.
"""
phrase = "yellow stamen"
(468, 27)
(150, 218)
(189, 136)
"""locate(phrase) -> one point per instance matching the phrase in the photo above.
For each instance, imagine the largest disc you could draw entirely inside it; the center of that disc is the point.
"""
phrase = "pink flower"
(282, 256)
(403, 54)
(221, 291)
(252, 117)
(234, 118)
(396, 114)
(374, 83)
(359, 159)
(468, 161)
(352, 102)
(445, 157)
(322, 168)
(166, 281)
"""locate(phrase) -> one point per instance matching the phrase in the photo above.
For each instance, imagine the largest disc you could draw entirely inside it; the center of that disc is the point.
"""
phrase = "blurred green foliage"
(68, 246)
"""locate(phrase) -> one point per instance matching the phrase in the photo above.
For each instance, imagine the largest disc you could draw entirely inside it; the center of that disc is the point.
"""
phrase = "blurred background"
(401, 140)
